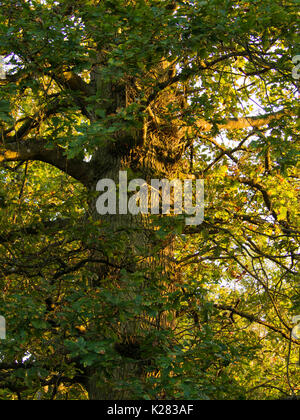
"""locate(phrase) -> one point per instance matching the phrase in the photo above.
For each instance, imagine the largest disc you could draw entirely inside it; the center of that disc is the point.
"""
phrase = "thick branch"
(34, 121)
(238, 123)
(80, 90)
(33, 149)
(75, 83)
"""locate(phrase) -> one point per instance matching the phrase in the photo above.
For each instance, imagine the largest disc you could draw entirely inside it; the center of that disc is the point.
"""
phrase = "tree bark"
(138, 256)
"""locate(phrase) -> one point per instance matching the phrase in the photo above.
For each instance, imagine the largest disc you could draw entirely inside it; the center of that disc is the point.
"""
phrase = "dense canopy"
(145, 306)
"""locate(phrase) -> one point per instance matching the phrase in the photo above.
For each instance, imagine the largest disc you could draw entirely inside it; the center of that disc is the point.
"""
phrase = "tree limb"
(253, 318)
(237, 123)
(34, 149)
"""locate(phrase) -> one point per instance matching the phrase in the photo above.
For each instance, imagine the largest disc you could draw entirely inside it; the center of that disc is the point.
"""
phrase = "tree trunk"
(154, 150)
(138, 257)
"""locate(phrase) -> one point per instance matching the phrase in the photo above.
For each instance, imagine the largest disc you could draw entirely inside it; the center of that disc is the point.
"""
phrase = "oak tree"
(140, 306)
